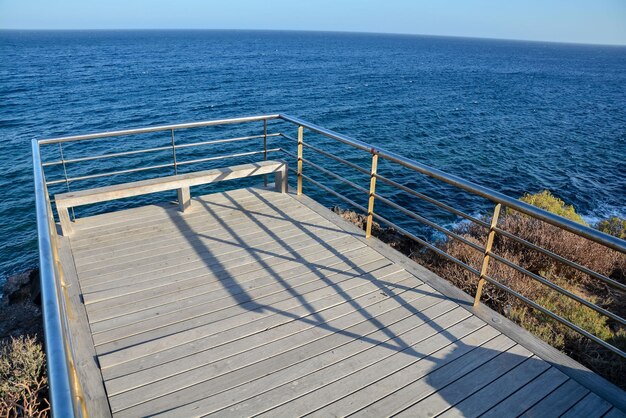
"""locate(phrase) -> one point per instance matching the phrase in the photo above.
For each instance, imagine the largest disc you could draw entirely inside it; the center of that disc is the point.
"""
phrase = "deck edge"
(570, 367)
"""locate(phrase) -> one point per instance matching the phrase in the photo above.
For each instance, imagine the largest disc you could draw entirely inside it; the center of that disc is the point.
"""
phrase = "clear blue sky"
(584, 21)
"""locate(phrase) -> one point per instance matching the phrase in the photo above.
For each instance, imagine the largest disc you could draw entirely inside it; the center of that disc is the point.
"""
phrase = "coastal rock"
(20, 313)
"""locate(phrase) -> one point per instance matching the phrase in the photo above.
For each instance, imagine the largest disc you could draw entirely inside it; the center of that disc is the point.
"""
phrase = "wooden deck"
(256, 302)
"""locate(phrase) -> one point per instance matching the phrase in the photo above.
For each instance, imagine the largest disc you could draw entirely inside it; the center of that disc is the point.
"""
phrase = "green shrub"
(547, 201)
(22, 378)
(613, 226)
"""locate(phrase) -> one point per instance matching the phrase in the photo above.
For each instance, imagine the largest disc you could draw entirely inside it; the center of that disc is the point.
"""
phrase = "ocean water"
(514, 116)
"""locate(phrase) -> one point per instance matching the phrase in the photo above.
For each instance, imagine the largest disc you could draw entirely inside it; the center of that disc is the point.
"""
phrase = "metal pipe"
(563, 260)
(556, 317)
(327, 154)
(223, 157)
(334, 193)
(112, 173)
(428, 245)
(571, 226)
(174, 153)
(157, 129)
(265, 149)
(558, 288)
(433, 201)
(490, 237)
(104, 156)
(372, 195)
(328, 172)
(429, 223)
(60, 393)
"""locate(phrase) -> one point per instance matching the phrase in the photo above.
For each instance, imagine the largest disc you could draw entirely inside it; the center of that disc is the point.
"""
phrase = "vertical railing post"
(265, 148)
(370, 203)
(488, 245)
(300, 137)
(174, 154)
(67, 182)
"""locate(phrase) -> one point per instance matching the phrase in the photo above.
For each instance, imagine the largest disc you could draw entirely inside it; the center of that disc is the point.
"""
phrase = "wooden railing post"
(370, 203)
(300, 137)
(488, 245)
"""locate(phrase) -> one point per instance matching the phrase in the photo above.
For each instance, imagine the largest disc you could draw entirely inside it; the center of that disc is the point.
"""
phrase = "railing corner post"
(488, 245)
(300, 142)
(372, 195)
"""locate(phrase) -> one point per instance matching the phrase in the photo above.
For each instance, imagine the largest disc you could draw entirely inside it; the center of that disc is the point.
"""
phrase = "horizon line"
(314, 31)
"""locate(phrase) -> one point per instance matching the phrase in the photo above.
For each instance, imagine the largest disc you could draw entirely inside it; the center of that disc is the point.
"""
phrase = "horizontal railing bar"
(329, 155)
(433, 201)
(157, 129)
(223, 157)
(103, 156)
(334, 193)
(558, 288)
(571, 226)
(330, 173)
(427, 244)
(429, 223)
(556, 317)
(154, 167)
(222, 141)
(58, 368)
(166, 148)
(563, 260)
(112, 173)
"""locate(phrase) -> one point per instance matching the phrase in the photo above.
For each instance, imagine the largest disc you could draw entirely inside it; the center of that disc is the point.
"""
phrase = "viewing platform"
(262, 301)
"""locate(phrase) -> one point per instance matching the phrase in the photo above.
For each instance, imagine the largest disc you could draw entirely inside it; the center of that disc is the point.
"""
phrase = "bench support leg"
(184, 198)
(66, 223)
(280, 178)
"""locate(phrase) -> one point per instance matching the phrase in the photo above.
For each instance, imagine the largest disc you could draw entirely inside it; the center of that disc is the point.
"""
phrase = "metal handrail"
(499, 199)
(57, 345)
(58, 348)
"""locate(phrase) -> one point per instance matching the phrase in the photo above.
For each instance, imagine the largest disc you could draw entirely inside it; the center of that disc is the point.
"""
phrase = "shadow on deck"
(258, 302)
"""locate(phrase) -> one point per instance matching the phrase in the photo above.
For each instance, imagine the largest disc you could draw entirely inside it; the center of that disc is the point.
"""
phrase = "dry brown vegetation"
(23, 382)
(580, 250)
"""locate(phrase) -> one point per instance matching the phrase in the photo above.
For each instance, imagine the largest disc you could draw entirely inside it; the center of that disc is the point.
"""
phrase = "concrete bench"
(180, 182)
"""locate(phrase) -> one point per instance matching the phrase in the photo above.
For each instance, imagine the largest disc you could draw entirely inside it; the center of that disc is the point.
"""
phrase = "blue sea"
(514, 116)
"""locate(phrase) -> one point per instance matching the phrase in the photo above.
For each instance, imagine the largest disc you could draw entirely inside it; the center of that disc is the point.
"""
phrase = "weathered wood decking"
(257, 302)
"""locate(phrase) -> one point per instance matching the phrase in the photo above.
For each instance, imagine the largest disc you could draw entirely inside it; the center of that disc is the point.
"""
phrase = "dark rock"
(20, 313)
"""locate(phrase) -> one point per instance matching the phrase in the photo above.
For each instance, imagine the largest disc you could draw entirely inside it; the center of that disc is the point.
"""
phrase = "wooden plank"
(300, 346)
(558, 401)
(231, 385)
(157, 210)
(231, 297)
(421, 339)
(136, 188)
(615, 413)
(175, 221)
(561, 361)
(527, 396)
(481, 399)
(181, 228)
(309, 298)
(198, 240)
(284, 337)
(237, 328)
(323, 297)
(399, 386)
(249, 279)
(177, 274)
(87, 368)
(174, 266)
(591, 406)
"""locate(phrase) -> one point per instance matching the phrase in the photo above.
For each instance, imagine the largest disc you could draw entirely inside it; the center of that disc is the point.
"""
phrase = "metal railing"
(60, 360)
(492, 229)
(65, 393)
